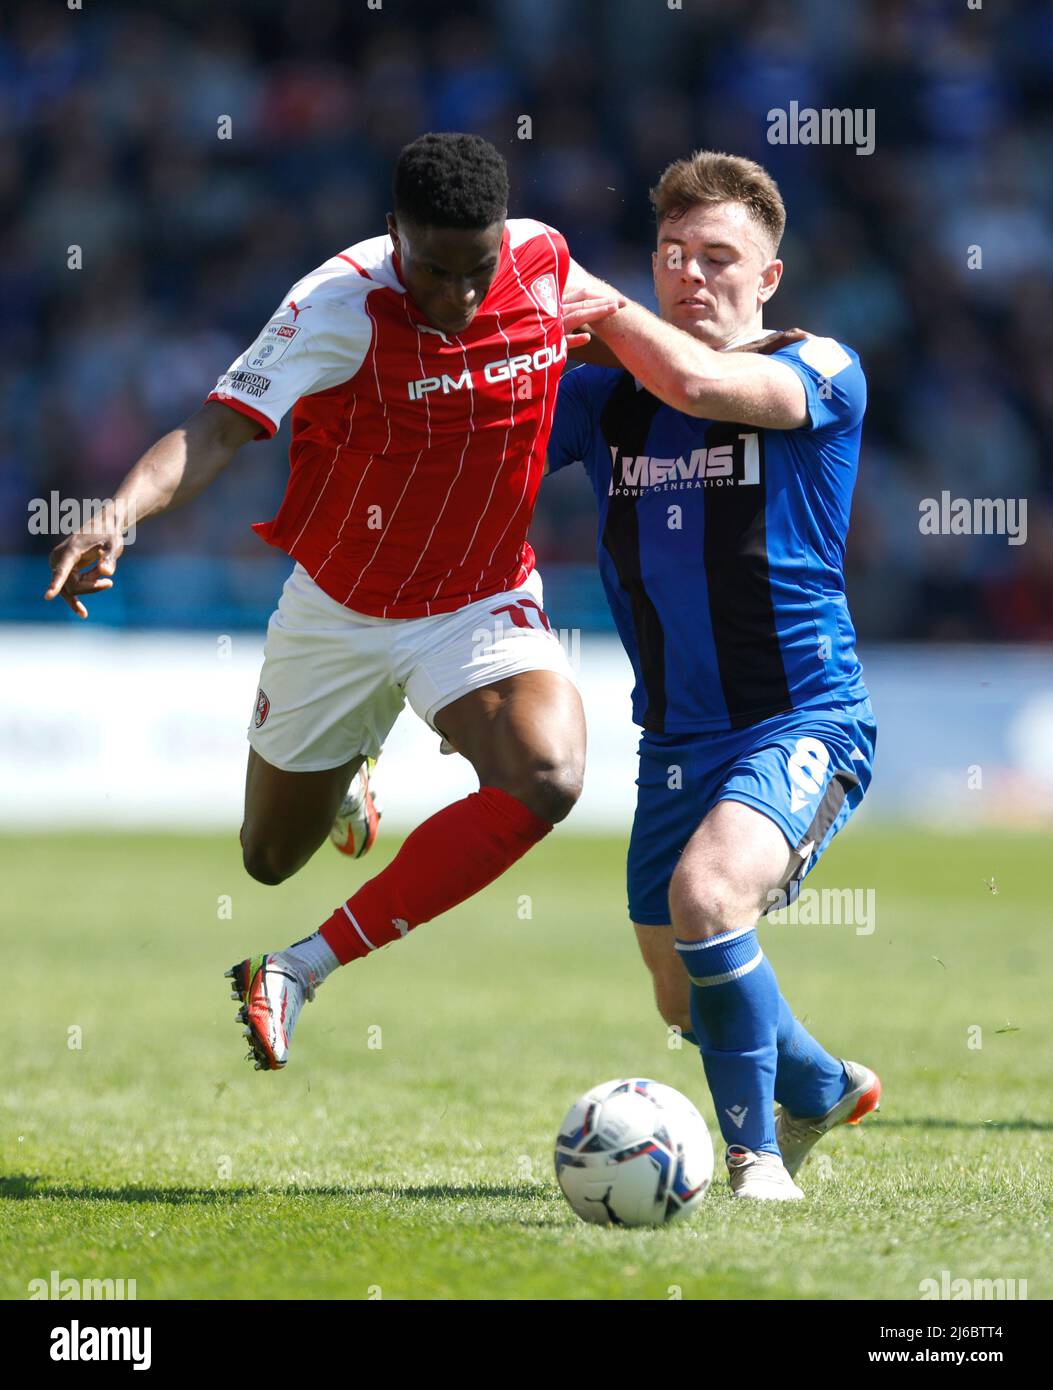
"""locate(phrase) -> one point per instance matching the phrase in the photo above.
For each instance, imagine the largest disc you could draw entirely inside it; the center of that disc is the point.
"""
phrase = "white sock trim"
(721, 939)
(312, 959)
(728, 975)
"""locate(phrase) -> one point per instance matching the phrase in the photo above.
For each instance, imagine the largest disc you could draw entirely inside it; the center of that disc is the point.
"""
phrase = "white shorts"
(334, 681)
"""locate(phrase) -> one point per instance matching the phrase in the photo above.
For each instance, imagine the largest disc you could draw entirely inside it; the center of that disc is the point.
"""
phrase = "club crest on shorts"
(263, 708)
(544, 292)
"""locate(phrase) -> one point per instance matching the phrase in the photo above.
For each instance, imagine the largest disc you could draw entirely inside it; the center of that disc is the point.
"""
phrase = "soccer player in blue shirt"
(724, 482)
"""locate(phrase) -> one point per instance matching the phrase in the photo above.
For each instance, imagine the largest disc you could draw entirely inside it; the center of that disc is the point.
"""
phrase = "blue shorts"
(807, 771)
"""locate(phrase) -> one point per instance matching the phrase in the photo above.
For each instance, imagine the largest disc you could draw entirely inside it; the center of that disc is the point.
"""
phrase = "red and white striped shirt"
(416, 455)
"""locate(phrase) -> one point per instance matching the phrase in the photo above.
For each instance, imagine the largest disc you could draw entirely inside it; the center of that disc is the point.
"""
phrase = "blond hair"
(710, 177)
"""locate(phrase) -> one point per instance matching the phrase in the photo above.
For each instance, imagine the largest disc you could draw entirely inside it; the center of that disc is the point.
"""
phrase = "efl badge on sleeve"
(263, 708)
(272, 344)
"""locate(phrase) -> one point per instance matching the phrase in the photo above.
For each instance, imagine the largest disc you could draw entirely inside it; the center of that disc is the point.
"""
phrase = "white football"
(633, 1153)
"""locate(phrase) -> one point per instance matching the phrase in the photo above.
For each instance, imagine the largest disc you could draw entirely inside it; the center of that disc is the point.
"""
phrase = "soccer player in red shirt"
(421, 368)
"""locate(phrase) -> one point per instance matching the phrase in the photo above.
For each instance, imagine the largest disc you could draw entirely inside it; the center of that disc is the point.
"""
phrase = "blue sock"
(735, 1016)
(808, 1080)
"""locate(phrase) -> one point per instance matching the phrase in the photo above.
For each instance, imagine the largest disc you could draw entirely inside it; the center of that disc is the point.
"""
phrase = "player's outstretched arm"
(597, 354)
(586, 310)
(171, 472)
(748, 387)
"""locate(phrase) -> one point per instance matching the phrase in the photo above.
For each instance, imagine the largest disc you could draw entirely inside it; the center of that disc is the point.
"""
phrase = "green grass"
(423, 1168)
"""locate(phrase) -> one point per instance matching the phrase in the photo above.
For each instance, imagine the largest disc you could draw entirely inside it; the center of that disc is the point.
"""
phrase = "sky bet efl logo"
(725, 465)
(501, 369)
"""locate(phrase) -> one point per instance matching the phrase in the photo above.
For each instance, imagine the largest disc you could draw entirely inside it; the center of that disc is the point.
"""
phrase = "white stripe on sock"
(721, 939)
(358, 929)
(728, 974)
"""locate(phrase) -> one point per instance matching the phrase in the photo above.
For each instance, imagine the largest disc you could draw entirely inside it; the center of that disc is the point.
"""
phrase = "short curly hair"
(447, 179)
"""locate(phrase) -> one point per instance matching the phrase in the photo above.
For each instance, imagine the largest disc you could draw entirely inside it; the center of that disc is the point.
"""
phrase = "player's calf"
(672, 988)
(674, 1010)
(288, 815)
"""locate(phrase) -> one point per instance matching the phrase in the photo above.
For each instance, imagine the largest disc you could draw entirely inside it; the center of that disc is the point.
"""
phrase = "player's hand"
(84, 564)
(772, 342)
(586, 305)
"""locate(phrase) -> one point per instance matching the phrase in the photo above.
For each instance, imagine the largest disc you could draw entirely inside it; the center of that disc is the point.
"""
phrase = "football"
(633, 1153)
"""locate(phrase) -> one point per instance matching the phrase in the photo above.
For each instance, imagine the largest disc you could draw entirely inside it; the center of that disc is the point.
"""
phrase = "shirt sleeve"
(562, 260)
(833, 382)
(572, 427)
(575, 276)
(316, 339)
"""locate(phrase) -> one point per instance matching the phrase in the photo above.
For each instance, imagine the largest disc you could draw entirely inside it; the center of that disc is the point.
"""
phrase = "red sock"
(452, 855)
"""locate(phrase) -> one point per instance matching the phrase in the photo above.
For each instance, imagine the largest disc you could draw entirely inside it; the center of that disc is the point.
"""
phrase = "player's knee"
(552, 792)
(704, 907)
(548, 786)
(264, 862)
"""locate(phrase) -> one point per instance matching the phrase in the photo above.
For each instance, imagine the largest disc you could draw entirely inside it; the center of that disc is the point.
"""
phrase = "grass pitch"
(406, 1150)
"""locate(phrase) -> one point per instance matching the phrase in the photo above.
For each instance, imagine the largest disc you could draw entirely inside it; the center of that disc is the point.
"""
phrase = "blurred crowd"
(188, 241)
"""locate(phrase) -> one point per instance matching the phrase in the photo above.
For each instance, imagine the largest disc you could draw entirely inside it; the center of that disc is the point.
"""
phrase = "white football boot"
(355, 829)
(798, 1134)
(271, 996)
(760, 1176)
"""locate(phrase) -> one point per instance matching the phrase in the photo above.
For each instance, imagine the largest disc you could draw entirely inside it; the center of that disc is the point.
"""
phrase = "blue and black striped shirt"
(722, 546)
